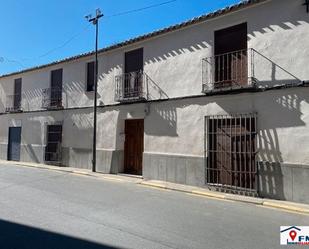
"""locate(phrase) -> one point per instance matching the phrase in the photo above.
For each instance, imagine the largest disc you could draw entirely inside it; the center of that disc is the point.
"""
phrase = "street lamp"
(95, 21)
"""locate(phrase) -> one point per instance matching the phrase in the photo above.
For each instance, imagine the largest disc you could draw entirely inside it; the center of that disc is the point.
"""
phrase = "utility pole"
(95, 21)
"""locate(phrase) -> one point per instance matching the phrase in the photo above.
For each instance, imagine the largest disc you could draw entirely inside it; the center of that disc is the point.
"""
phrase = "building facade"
(220, 101)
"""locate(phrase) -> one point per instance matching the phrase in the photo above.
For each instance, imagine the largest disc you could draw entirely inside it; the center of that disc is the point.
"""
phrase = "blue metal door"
(14, 143)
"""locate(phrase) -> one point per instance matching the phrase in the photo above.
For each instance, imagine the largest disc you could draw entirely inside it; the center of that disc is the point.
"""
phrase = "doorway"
(133, 78)
(134, 146)
(14, 144)
(231, 56)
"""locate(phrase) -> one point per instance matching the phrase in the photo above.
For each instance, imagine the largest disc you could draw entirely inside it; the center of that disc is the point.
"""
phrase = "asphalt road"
(55, 210)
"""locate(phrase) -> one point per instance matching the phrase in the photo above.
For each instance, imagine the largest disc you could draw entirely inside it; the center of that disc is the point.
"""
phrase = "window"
(17, 94)
(90, 76)
(231, 151)
(53, 143)
(56, 88)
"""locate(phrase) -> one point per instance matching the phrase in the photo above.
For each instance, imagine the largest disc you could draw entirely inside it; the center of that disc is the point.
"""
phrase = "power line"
(141, 9)
(60, 46)
(2, 59)
(6, 59)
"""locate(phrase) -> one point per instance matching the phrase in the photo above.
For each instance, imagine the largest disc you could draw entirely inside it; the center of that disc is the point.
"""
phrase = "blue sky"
(33, 32)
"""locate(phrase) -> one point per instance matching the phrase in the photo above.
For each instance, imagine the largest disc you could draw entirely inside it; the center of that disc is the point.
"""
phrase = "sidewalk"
(282, 205)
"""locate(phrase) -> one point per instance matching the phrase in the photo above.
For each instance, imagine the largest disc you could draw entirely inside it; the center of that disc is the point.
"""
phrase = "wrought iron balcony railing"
(229, 70)
(131, 87)
(243, 69)
(52, 98)
(13, 103)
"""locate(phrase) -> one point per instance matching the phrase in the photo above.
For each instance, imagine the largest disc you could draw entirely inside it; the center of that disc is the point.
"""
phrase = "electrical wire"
(140, 9)
(3, 59)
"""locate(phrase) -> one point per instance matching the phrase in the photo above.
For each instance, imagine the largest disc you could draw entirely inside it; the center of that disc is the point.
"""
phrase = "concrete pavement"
(56, 209)
(278, 204)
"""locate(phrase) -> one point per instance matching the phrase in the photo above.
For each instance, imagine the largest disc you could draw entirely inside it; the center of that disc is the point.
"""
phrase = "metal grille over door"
(230, 143)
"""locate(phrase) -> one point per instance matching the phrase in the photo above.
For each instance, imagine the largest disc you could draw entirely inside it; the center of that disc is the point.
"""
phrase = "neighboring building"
(219, 101)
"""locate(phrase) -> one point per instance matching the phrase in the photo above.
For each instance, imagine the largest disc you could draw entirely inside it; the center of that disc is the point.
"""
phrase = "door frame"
(125, 167)
(9, 143)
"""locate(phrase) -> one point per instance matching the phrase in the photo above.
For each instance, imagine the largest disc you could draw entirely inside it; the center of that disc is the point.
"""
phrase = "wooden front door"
(134, 146)
(231, 62)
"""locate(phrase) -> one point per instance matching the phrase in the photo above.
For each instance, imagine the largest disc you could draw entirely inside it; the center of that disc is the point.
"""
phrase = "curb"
(280, 205)
(74, 171)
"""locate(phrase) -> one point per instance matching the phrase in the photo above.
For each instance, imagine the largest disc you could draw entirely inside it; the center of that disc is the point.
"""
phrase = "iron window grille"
(53, 149)
(230, 151)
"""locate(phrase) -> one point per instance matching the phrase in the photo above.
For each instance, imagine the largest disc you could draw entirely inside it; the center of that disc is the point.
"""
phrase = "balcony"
(13, 103)
(131, 87)
(228, 71)
(243, 69)
(52, 98)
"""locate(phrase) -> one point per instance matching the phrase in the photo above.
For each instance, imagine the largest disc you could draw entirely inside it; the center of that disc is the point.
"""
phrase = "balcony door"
(17, 94)
(133, 78)
(56, 88)
(231, 62)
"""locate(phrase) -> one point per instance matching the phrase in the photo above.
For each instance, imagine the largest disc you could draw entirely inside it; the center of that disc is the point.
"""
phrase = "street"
(49, 209)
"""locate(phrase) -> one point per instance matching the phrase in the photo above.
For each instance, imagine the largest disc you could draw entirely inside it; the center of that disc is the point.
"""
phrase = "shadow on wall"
(188, 42)
(154, 90)
(266, 73)
(31, 154)
(281, 109)
(163, 121)
(14, 235)
(270, 180)
(286, 17)
(32, 98)
(2, 98)
(72, 94)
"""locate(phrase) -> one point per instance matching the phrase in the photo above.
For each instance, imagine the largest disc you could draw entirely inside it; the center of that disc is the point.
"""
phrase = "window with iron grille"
(230, 143)
(53, 144)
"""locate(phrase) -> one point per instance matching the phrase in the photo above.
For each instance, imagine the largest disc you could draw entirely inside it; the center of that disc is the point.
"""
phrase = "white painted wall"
(177, 127)
(277, 29)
